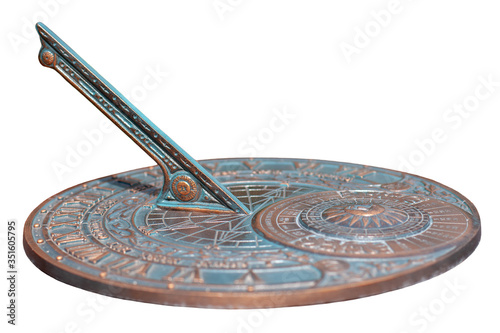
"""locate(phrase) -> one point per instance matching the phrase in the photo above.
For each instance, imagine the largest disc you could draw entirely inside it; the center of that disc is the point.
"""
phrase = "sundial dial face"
(309, 238)
(240, 233)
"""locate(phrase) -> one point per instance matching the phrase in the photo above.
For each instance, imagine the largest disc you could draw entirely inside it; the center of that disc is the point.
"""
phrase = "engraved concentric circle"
(366, 216)
(364, 224)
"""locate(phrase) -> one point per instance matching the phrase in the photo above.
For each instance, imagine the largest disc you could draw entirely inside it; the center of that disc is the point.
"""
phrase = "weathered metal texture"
(204, 190)
(275, 232)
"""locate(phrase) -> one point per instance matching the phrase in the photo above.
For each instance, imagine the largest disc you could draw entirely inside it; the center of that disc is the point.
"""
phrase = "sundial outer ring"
(254, 299)
(244, 300)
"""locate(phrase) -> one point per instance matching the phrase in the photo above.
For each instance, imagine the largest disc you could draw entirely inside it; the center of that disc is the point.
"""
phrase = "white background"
(227, 72)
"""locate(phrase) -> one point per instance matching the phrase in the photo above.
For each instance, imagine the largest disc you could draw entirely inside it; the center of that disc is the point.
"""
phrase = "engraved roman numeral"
(89, 252)
(249, 278)
(70, 223)
(103, 189)
(127, 266)
(184, 274)
(70, 212)
(251, 164)
(302, 166)
(69, 237)
(86, 199)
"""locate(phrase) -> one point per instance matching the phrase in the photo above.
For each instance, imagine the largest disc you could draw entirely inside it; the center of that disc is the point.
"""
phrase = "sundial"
(239, 232)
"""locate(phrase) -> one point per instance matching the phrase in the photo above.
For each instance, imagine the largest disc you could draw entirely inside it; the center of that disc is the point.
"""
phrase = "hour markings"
(89, 252)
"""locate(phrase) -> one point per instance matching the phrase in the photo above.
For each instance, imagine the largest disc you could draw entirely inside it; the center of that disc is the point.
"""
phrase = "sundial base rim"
(252, 286)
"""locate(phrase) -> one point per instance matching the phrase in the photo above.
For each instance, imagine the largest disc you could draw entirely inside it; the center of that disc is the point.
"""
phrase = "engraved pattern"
(243, 232)
(110, 232)
(361, 214)
(352, 224)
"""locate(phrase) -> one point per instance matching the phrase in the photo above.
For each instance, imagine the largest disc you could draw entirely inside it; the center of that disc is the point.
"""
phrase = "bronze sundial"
(243, 232)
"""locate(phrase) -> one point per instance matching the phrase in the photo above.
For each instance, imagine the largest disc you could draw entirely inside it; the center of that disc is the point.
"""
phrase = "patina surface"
(239, 233)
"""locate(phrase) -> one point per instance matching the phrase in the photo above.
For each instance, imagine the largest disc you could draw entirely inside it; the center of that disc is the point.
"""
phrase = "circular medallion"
(365, 224)
(47, 57)
(184, 187)
(318, 232)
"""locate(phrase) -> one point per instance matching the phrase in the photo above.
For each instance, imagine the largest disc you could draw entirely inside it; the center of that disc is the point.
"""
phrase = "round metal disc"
(319, 232)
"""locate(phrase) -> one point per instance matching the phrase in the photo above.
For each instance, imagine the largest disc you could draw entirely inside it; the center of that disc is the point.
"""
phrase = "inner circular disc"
(319, 232)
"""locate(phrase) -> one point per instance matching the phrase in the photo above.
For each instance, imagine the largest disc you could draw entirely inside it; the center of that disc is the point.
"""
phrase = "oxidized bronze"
(240, 233)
